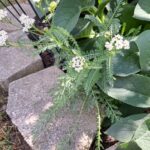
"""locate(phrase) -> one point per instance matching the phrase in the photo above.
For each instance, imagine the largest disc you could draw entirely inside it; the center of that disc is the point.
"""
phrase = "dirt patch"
(10, 138)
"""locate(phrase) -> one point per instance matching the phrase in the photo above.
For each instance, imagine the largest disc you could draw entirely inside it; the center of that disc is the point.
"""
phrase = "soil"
(10, 138)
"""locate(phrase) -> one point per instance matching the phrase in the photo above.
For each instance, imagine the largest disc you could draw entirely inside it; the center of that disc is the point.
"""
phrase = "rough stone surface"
(29, 97)
(15, 24)
(17, 62)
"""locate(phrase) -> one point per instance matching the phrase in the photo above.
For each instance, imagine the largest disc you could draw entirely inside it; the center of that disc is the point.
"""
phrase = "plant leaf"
(143, 43)
(128, 146)
(124, 129)
(125, 63)
(83, 29)
(144, 141)
(132, 90)
(142, 10)
(68, 12)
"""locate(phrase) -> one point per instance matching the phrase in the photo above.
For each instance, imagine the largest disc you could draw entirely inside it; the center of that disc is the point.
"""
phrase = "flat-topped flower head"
(117, 42)
(78, 63)
(3, 37)
(27, 22)
(126, 44)
(3, 14)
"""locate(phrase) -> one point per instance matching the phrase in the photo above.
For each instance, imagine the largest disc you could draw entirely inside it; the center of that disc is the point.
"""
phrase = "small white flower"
(3, 14)
(36, 1)
(109, 46)
(78, 63)
(27, 22)
(118, 37)
(3, 37)
(119, 44)
(126, 44)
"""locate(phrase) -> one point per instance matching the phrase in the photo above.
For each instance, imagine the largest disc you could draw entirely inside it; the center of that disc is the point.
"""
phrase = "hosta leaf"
(144, 141)
(143, 43)
(68, 12)
(142, 10)
(83, 29)
(126, 17)
(133, 90)
(124, 129)
(125, 64)
(128, 146)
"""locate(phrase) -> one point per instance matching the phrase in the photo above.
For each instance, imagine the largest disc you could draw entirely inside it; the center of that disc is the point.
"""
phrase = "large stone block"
(29, 97)
(17, 62)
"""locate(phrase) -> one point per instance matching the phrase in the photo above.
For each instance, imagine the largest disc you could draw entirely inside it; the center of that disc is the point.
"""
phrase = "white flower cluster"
(117, 42)
(3, 37)
(36, 1)
(78, 63)
(27, 22)
(3, 14)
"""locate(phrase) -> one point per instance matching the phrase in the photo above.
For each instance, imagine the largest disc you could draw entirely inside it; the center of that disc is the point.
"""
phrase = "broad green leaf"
(133, 90)
(68, 12)
(144, 141)
(140, 140)
(126, 63)
(83, 29)
(141, 130)
(143, 43)
(124, 129)
(142, 10)
(127, 110)
(126, 17)
(128, 146)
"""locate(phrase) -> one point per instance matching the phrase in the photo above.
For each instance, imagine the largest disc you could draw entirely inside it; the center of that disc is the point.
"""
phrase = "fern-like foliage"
(93, 80)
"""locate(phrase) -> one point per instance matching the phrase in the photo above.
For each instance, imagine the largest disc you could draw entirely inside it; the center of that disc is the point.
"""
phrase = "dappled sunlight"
(84, 142)
(47, 106)
(31, 119)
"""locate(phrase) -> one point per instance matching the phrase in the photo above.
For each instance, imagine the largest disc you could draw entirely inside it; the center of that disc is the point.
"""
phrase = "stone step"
(30, 96)
(17, 62)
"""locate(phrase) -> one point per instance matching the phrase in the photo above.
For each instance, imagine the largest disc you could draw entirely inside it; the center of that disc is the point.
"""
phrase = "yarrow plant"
(78, 63)
(3, 37)
(3, 14)
(36, 1)
(105, 60)
(117, 43)
(27, 22)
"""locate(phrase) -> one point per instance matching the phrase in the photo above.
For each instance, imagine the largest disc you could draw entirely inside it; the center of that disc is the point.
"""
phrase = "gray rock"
(17, 62)
(29, 97)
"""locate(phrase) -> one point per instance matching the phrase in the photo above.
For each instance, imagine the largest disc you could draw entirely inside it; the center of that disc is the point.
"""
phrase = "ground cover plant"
(103, 46)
